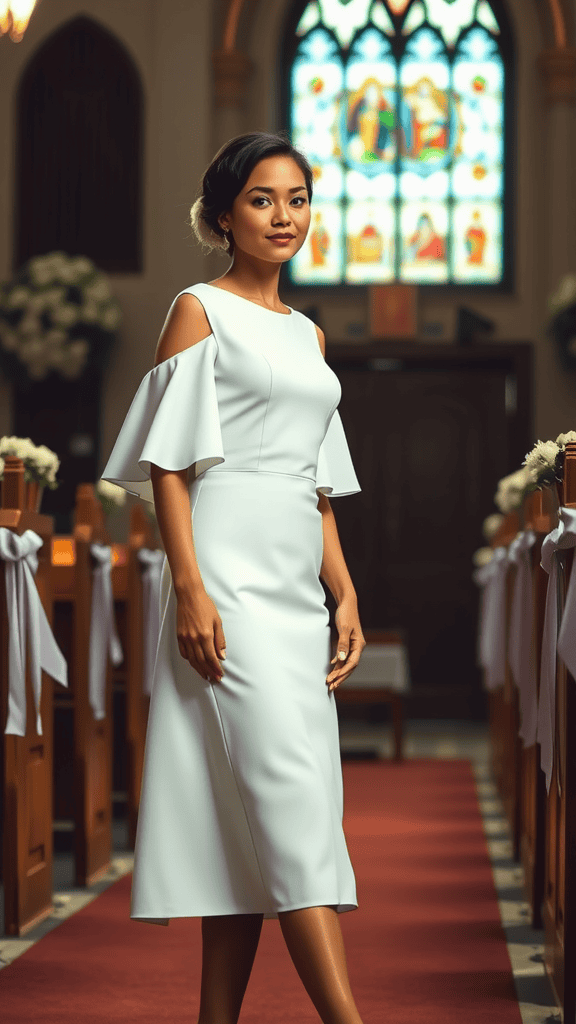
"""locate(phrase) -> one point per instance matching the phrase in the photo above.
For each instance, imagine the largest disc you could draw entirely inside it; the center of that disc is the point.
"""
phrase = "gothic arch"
(237, 8)
(79, 128)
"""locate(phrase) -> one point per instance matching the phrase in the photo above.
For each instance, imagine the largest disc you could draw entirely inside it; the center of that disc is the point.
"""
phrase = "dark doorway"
(431, 430)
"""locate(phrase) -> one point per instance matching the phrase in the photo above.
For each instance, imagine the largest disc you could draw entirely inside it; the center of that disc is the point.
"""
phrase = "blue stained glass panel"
(402, 119)
(478, 79)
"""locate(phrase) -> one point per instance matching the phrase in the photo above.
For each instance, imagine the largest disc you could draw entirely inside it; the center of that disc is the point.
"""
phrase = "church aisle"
(429, 931)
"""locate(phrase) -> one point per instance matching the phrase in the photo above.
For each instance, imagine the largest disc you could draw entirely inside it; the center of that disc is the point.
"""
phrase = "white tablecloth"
(382, 665)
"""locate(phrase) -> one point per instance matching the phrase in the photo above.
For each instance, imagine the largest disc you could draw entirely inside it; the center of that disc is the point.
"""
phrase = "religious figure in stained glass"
(399, 105)
(425, 243)
(319, 241)
(476, 240)
(370, 122)
(426, 129)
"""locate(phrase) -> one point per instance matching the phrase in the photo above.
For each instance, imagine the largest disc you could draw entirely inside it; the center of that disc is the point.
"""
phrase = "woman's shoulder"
(186, 325)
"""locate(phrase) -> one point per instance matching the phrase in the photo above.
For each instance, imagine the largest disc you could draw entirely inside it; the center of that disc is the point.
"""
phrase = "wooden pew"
(130, 702)
(83, 745)
(559, 908)
(27, 760)
(503, 708)
(539, 517)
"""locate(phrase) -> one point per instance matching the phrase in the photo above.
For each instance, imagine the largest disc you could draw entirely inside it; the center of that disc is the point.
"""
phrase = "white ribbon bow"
(152, 562)
(27, 622)
(521, 635)
(492, 627)
(561, 538)
(103, 636)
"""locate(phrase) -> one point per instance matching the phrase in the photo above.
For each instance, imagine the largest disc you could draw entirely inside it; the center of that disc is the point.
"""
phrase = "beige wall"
(171, 43)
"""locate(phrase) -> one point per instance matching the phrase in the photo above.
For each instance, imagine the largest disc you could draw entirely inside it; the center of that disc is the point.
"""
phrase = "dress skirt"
(242, 800)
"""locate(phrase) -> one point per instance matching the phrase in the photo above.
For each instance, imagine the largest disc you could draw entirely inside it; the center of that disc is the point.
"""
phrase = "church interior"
(441, 266)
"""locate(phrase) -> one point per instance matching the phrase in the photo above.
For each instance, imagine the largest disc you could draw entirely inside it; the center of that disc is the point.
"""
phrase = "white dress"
(242, 800)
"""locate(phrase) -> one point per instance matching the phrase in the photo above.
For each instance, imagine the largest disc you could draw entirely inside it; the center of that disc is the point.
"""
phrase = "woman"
(236, 437)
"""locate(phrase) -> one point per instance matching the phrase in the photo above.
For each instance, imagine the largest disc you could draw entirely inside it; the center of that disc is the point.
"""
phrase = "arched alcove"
(79, 150)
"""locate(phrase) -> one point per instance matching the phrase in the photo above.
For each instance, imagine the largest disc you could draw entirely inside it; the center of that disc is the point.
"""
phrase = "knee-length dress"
(242, 799)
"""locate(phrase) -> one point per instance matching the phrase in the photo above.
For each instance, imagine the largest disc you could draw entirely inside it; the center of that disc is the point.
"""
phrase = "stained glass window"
(400, 107)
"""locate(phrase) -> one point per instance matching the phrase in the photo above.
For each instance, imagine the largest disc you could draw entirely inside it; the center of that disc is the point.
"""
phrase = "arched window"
(402, 107)
(79, 150)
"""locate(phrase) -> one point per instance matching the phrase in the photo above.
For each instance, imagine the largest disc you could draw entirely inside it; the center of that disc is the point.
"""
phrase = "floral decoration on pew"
(491, 525)
(546, 459)
(57, 314)
(512, 489)
(111, 497)
(41, 464)
(482, 556)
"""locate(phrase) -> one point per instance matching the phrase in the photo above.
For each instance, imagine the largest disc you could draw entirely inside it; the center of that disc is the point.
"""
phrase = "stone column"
(232, 73)
(558, 70)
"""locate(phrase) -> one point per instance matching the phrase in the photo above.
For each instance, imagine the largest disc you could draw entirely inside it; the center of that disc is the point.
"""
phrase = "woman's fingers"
(336, 677)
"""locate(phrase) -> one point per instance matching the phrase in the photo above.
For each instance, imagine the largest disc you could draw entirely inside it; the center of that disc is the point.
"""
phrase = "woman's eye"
(264, 199)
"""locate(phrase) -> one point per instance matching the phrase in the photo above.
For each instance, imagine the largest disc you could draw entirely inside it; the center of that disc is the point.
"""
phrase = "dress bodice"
(276, 394)
(256, 395)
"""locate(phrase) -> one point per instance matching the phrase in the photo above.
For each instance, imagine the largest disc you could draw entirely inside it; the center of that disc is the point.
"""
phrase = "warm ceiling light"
(398, 6)
(14, 17)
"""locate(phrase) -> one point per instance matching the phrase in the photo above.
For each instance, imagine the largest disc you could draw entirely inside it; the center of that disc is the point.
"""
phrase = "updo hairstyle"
(226, 176)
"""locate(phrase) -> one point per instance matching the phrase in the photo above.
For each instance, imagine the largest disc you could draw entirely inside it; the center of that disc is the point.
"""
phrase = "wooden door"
(430, 435)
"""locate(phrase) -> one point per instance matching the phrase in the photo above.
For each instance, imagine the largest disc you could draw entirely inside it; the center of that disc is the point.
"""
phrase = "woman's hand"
(351, 642)
(200, 635)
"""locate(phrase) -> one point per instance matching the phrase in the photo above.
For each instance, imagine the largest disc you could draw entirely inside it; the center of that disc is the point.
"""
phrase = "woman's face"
(274, 201)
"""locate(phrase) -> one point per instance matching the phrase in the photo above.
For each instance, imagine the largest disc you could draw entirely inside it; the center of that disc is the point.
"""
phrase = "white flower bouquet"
(512, 489)
(57, 315)
(40, 463)
(491, 525)
(482, 556)
(544, 463)
(111, 497)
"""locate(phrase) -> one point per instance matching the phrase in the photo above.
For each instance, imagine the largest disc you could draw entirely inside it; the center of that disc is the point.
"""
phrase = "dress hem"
(269, 915)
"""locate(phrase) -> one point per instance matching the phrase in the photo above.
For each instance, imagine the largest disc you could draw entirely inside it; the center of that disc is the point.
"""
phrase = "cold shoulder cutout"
(173, 422)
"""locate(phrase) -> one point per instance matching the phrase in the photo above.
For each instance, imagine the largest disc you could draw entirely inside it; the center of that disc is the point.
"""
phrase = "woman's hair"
(226, 176)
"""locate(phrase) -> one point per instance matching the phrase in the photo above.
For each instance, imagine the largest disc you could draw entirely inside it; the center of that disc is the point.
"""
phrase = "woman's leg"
(229, 946)
(314, 940)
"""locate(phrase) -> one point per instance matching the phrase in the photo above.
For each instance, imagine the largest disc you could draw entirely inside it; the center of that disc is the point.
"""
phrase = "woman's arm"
(334, 572)
(199, 629)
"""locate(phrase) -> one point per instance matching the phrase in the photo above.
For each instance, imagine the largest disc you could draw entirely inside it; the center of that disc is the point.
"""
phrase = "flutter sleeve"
(335, 475)
(173, 421)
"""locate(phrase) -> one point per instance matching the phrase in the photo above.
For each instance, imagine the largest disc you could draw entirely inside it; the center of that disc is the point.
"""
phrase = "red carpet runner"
(424, 947)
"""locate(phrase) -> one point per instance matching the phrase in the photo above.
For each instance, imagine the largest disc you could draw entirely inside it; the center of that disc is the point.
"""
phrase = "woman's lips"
(280, 241)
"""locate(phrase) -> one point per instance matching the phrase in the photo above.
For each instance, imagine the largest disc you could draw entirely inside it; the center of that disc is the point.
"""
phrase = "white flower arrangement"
(57, 314)
(111, 496)
(569, 438)
(491, 525)
(482, 556)
(543, 462)
(40, 463)
(512, 489)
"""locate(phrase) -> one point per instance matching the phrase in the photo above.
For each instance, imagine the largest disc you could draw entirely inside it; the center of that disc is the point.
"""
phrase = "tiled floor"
(442, 739)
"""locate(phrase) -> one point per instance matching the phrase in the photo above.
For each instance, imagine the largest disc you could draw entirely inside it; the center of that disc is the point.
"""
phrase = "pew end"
(372, 683)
